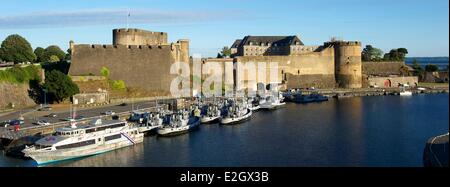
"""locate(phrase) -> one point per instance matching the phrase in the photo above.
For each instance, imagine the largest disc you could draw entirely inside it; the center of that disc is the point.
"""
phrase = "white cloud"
(110, 16)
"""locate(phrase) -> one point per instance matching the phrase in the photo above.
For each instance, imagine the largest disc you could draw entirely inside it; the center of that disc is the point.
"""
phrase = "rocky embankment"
(14, 94)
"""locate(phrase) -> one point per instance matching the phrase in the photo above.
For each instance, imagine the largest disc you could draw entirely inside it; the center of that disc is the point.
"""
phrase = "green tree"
(53, 58)
(53, 50)
(105, 72)
(69, 54)
(39, 52)
(416, 65)
(59, 86)
(431, 68)
(118, 85)
(396, 54)
(370, 53)
(16, 49)
(226, 52)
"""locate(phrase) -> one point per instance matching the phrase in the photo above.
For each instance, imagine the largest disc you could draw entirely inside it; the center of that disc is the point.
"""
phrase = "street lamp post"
(45, 96)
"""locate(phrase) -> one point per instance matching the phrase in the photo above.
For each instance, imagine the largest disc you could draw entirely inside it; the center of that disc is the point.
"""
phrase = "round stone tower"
(138, 37)
(348, 66)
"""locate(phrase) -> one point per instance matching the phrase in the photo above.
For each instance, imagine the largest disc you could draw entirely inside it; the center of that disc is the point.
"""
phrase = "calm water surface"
(360, 131)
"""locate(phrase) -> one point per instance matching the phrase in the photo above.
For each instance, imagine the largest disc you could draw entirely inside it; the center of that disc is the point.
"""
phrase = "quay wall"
(386, 82)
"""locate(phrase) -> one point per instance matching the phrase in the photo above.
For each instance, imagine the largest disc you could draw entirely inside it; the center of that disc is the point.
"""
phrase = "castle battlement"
(343, 43)
(100, 46)
(138, 37)
(138, 31)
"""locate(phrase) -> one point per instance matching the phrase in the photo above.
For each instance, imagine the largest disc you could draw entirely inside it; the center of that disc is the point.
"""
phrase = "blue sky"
(422, 26)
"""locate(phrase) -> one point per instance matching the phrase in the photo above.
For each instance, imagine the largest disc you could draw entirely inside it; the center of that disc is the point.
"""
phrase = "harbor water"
(359, 131)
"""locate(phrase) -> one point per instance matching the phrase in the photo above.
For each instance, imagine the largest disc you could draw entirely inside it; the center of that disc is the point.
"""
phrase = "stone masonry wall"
(305, 70)
(382, 68)
(145, 67)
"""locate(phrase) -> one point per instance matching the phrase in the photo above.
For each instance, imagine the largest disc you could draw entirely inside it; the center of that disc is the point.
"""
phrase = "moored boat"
(178, 124)
(237, 113)
(271, 102)
(75, 142)
(212, 115)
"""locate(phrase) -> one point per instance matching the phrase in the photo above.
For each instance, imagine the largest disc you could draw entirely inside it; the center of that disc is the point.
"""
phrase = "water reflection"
(359, 131)
(121, 157)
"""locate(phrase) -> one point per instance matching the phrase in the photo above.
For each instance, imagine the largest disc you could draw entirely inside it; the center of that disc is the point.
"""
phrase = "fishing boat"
(236, 113)
(300, 98)
(405, 92)
(75, 142)
(178, 123)
(272, 101)
(313, 97)
(212, 115)
(253, 103)
(318, 97)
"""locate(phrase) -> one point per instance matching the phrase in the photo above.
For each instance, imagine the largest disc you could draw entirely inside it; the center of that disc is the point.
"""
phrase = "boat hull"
(406, 93)
(232, 121)
(178, 130)
(207, 120)
(66, 154)
(144, 129)
(272, 106)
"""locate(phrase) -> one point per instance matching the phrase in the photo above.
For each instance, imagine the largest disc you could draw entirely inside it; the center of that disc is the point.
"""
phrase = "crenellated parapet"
(138, 37)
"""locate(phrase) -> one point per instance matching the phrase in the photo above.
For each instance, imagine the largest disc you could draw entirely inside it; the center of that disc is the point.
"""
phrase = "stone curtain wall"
(382, 68)
(312, 69)
(394, 81)
(146, 67)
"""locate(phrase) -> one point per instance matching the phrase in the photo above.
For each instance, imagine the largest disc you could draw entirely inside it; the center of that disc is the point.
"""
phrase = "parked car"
(5, 123)
(79, 117)
(115, 117)
(16, 122)
(45, 108)
(109, 113)
(42, 122)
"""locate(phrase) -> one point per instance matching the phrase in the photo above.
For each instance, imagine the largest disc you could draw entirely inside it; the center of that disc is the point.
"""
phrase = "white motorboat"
(272, 102)
(236, 114)
(153, 121)
(75, 142)
(213, 114)
(253, 104)
(178, 124)
(146, 121)
(405, 93)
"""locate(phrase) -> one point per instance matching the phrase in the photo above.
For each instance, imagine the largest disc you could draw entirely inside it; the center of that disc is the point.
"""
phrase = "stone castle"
(333, 64)
(143, 59)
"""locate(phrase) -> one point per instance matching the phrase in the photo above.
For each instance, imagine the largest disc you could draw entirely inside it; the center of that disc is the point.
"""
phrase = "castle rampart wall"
(144, 66)
(314, 69)
(382, 68)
